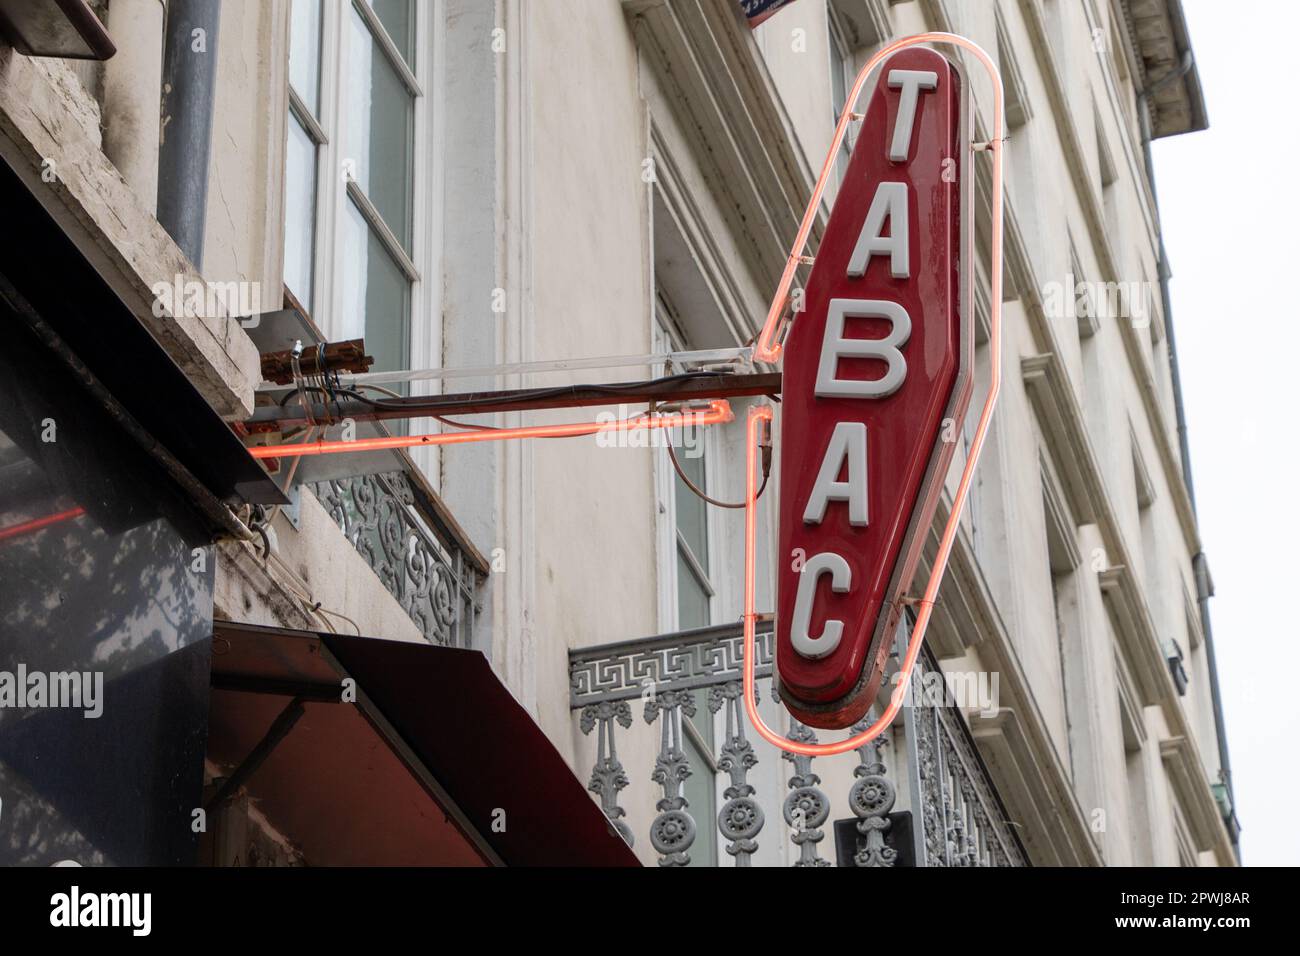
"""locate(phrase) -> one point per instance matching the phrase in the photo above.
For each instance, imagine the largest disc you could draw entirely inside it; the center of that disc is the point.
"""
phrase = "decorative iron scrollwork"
(961, 814)
(807, 807)
(871, 798)
(704, 657)
(741, 818)
(673, 830)
(957, 816)
(431, 580)
(608, 776)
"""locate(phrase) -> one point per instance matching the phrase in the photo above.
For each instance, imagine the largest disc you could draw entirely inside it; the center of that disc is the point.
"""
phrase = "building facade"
(480, 184)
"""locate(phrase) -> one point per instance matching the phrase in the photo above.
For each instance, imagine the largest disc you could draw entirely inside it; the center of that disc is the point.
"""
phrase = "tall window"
(692, 308)
(689, 578)
(302, 156)
(842, 76)
(357, 109)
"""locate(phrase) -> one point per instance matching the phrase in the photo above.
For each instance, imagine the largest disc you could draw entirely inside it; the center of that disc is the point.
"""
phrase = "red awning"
(433, 763)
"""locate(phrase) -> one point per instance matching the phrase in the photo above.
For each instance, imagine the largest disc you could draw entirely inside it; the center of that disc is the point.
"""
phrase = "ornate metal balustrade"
(963, 820)
(662, 673)
(390, 523)
(960, 821)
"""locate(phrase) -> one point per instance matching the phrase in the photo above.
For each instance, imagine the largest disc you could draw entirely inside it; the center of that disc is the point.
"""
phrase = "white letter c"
(816, 647)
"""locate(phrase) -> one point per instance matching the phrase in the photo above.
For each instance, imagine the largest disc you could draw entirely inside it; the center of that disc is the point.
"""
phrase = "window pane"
(299, 213)
(376, 295)
(840, 96)
(399, 21)
(304, 53)
(692, 598)
(839, 89)
(380, 125)
(703, 719)
(691, 508)
(699, 792)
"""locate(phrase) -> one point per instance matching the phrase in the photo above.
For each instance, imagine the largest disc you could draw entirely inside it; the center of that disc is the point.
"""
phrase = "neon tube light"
(36, 524)
(718, 412)
(768, 350)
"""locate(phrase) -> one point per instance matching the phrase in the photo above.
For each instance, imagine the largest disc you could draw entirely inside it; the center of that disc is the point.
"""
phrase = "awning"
(432, 762)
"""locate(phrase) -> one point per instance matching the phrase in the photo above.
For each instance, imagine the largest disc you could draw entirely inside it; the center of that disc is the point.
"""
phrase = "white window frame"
(668, 338)
(841, 56)
(666, 332)
(423, 264)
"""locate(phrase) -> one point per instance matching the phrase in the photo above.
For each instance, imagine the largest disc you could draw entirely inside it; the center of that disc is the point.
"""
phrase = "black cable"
(415, 411)
(465, 425)
(522, 395)
(541, 393)
(672, 457)
(699, 493)
(615, 389)
(767, 466)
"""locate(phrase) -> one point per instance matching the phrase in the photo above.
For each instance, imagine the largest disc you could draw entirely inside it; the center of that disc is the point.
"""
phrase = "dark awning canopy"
(48, 283)
(430, 760)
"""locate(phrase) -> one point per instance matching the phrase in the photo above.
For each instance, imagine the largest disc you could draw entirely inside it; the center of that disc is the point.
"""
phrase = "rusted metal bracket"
(349, 356)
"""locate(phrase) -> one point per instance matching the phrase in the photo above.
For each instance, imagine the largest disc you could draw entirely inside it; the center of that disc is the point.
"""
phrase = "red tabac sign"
(877, 378)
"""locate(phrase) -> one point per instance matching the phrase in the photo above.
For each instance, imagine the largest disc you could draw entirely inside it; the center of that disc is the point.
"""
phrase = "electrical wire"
(767, 468)
(331, 392)
(438, 418)
(467, 426)
(532, 394)
(698, 492)
(288, 579)
(320, 383)
(293, 467)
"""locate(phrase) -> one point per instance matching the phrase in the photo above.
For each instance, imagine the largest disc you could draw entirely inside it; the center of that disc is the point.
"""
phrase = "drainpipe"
(188, 94)
(132, 81)
(1200, 569)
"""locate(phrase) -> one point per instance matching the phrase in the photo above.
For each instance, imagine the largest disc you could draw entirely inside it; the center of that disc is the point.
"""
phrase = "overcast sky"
(1229, 203)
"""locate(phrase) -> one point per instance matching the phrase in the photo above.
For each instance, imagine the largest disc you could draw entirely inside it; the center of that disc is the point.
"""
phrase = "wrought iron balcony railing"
(947, 790)
(394, 522)
(964, 822)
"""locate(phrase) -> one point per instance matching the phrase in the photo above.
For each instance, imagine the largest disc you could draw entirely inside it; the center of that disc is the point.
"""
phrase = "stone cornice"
(1016, 742)
(1184, 767)
(705, 56)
